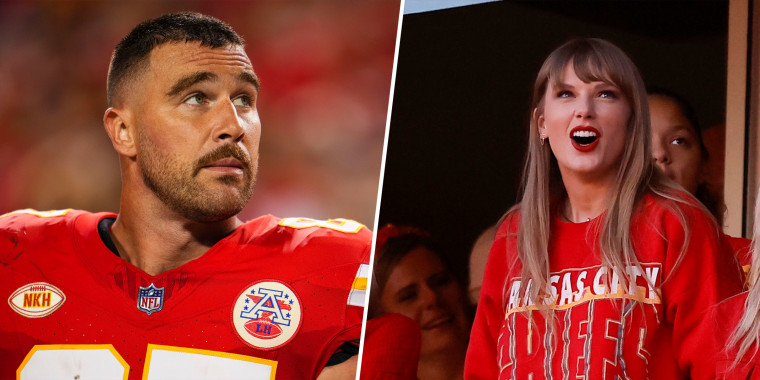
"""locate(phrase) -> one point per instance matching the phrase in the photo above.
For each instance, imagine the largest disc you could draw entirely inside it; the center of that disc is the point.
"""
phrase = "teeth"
(584, 134)
(584, 137)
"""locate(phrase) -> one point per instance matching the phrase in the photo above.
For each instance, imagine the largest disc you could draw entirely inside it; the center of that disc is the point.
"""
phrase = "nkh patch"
(267, 314)
(36, 300)
(150, 299)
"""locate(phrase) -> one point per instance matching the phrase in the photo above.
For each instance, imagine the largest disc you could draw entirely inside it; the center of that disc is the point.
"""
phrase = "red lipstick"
(585, 138)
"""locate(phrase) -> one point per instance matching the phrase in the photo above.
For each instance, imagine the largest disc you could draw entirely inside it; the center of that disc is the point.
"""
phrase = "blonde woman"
(604, 269)
(738, 321)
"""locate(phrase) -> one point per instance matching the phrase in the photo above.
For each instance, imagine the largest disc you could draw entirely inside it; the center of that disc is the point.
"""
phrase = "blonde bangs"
(594, 64)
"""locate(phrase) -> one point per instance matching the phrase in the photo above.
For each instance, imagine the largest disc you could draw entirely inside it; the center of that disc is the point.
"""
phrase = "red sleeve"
(354, 299)
(358, 294)
(482, 361)
(725, 318)
(695, 281)
(391, 348)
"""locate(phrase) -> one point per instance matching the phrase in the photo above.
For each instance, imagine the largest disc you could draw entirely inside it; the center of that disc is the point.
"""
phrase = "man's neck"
(156, 240)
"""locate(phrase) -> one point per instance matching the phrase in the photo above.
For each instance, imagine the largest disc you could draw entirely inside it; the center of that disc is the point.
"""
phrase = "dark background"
(463, 82)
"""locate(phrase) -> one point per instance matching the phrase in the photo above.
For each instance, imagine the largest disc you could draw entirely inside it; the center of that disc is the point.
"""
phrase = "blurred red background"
(325, 69)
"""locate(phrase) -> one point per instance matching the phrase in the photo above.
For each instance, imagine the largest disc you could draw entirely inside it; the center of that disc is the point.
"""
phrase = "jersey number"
(102, 361)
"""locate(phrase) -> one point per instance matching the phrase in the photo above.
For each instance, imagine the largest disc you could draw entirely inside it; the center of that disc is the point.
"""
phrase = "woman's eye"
(196, 99)
(609, 94)
(242, 101)
(564, 94)
(407, 296)
(678, 141)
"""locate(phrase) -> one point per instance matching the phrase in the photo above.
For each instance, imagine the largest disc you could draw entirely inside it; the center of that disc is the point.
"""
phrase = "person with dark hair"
(605, 269)
(677, 146)
(175, 285)
(411, 277)
(681, 155)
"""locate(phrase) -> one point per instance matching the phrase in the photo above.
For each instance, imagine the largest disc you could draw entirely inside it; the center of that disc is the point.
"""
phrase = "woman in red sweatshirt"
(604, 269)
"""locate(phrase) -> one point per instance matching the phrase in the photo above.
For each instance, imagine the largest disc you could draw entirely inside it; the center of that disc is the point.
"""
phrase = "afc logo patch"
(150, 299)
(267, 315)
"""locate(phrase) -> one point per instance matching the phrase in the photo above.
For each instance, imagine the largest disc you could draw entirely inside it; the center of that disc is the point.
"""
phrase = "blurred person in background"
(411, 277)
(677, 146)
(680, 153)
(176, 284)
(478, 259)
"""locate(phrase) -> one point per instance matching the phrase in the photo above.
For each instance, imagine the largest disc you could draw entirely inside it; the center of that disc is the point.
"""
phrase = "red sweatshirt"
(656, 330)
(725, 319)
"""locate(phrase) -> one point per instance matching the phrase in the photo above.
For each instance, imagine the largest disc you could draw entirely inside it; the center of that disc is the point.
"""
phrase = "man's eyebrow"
(250, 77)
(190, 80)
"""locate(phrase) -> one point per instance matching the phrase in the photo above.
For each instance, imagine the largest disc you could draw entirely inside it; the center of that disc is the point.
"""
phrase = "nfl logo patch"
(267, 315)
(150, 299)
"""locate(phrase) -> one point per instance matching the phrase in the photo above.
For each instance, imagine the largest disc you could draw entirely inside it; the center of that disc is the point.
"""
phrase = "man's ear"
(121, 132)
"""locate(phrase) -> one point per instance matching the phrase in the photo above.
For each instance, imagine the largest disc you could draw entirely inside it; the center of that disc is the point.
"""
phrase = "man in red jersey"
(175, 285)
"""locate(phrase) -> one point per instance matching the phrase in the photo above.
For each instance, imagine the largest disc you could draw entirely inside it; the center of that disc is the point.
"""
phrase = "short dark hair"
(132, 52)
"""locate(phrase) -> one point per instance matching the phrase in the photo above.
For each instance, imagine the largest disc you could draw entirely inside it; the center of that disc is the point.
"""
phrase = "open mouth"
(584, 137)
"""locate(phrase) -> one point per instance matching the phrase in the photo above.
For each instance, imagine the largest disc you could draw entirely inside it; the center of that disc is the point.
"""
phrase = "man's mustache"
(224, 151)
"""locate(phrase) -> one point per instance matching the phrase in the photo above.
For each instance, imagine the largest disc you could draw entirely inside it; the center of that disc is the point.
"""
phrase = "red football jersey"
(273, 300)
(658, 328)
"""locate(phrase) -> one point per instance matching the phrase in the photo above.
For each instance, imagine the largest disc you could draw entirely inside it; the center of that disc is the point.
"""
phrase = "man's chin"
(211, 214)
(221, 206)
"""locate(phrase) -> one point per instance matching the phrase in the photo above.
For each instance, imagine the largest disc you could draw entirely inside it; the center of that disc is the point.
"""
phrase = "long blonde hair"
(747, 331)
(542, 187)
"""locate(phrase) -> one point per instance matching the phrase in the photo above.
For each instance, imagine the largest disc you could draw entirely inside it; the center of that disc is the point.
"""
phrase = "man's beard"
(176, 185)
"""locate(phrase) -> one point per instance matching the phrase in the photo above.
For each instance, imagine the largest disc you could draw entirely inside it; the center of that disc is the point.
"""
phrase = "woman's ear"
(120, 131)
(540, 124)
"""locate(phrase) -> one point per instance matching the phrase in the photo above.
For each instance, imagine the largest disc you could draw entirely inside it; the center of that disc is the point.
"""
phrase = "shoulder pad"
(20, 226)
(293, 233)
(341, 225)
(30, 218)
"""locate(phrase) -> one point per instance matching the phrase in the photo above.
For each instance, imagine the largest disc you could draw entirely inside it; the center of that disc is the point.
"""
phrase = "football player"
(175, 285)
